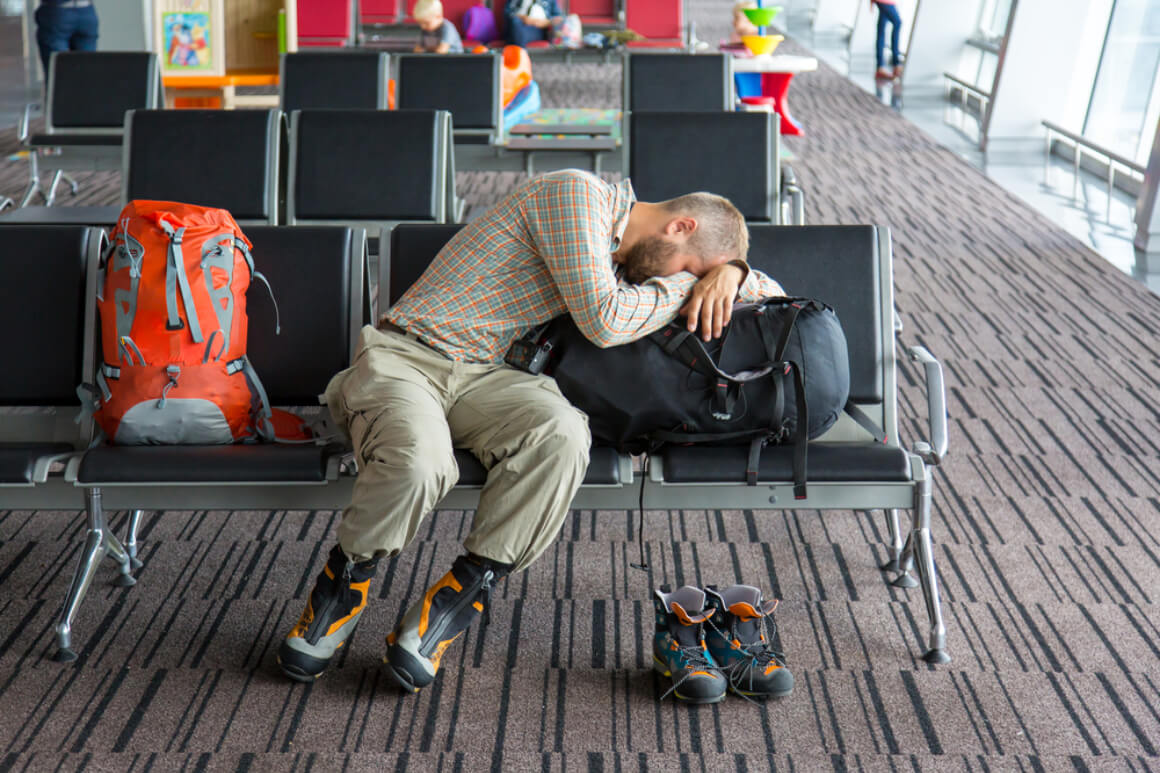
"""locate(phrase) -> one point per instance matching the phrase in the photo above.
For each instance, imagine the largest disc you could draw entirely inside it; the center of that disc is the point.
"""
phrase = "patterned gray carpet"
(1045, 524)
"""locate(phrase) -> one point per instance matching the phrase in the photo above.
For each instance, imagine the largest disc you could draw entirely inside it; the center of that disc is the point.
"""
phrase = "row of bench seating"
(89, 94)
(319, 275)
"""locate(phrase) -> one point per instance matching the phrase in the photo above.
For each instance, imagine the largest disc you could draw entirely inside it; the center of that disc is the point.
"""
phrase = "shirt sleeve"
(758, 286)
(450, 36)
(568, 220)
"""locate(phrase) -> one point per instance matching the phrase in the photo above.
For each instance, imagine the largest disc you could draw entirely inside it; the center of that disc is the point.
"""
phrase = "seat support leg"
(98, 542)
(905, 560)
(50, 198)
(131, 542)
(895, 541)
(924, 553)
(33, 179)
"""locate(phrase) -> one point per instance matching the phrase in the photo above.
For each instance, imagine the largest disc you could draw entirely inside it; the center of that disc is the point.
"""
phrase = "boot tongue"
(746, 605)
(688, 605)
(688, 632)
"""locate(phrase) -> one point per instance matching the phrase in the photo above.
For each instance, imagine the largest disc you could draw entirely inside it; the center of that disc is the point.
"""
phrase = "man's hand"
(711, 302)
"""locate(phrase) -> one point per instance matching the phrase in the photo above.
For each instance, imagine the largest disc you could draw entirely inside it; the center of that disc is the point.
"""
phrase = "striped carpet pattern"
(1045, 527)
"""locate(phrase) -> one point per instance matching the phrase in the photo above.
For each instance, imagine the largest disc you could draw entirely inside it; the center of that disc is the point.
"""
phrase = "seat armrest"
(932, 452)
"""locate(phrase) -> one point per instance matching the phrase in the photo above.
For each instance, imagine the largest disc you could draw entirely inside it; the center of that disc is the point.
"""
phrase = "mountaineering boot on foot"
(740, 642)
(679, 646)
(418, 642)
(332, 612)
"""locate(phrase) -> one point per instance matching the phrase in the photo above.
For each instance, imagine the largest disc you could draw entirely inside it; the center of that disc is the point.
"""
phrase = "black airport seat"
(684, 82)
(87, 96)
(467, 85)
(44, 304)
(314, 272)
(402, 171)
(334, 80)
(317, 275)
(215, 158)
(732, 154)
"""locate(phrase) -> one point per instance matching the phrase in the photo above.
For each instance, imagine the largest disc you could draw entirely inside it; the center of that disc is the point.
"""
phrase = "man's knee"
(565, 437)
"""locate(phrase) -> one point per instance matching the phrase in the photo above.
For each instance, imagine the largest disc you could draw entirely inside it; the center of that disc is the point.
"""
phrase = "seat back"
(317, 274)
(371, 12)
(404, 254)
(467, 85)
(401, 172)
(848, 267)
(735, 155)
(89, 92)
(215, 158)
(656, 19)
(332, 80)
(46, 304)
(324, 23)
(687, 82)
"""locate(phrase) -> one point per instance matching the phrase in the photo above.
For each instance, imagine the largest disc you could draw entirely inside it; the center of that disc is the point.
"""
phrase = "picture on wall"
(189, 35)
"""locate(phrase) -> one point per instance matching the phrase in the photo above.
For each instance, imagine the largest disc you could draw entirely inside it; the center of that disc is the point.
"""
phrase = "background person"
(438, 35)
(887, 12)
(65, 25)
(531, 20)
(432, 377)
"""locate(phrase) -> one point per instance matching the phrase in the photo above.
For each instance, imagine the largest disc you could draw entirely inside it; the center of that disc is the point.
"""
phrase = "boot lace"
(695, 660)
(761, 655)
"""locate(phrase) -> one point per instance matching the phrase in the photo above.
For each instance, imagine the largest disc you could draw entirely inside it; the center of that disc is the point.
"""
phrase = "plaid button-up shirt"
(543, 251)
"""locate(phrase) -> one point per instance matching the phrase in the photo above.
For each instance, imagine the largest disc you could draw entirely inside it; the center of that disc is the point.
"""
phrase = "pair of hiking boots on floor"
(711, 641)
(415, 646)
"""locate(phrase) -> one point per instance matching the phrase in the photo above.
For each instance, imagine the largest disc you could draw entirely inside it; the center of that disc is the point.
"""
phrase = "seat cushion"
(66, 140)
(210, 464)
(826, 463)
(18, 459)
(603, 468)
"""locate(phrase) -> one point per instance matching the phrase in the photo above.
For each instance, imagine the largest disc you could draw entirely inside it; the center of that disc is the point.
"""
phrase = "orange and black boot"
(739, 639)
(679, 650)
(428, 628)
(331, 614)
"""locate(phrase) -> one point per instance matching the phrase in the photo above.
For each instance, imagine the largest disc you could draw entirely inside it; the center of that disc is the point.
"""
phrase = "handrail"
(984, 45)
(968, 86)
(1079, 143)
(1099, 150)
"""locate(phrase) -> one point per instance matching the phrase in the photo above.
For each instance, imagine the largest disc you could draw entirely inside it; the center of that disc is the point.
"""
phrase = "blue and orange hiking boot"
(428, 628)
(332, 612)
(739, 640)
(679, 650)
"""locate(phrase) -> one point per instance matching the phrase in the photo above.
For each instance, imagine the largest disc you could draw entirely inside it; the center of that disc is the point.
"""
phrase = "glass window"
(1124, 100)
(993, 20)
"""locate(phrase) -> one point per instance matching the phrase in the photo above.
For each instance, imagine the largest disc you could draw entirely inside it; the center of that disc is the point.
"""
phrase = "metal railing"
(1082, 146)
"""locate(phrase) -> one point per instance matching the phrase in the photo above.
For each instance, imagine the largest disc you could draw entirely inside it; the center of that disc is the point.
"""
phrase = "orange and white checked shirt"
(543, 251)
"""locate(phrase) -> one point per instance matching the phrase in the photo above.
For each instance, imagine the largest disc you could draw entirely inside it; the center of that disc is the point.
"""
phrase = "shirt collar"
(622, 200)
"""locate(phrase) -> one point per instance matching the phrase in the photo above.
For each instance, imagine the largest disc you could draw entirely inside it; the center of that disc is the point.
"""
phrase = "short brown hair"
(721, 228)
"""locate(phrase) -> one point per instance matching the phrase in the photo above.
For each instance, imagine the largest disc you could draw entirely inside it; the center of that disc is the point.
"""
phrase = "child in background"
(741, 23)
(438, 36)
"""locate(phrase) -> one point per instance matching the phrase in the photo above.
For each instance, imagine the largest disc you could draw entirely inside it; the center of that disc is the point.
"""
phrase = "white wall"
(835, 15)
(123, 25)
(1052, 54)
(940, 27)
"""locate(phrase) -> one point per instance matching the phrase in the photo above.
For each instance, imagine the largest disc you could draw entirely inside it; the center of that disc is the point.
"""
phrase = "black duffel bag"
(779, 372)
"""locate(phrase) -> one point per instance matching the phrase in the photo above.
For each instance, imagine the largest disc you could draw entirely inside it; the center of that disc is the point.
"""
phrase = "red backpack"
(172, 301)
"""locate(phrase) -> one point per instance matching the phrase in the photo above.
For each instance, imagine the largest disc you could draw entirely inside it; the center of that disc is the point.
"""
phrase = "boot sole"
(302, 668)
(761, 695)
(397, 661)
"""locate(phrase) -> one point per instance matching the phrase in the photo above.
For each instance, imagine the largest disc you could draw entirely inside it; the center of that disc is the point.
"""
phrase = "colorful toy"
(516, 73)
(522, 105)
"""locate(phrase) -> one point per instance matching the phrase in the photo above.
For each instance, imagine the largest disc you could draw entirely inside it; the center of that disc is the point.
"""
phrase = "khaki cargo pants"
(407, 406)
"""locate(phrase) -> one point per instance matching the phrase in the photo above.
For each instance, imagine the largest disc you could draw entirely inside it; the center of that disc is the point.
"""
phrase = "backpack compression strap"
(175, 278)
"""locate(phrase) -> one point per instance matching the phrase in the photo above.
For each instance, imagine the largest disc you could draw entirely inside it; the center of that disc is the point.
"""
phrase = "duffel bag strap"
(864, 421)
(801, 440)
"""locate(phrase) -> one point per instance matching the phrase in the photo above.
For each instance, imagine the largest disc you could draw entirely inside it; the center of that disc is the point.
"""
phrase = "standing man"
(65, 25)
(431, 377)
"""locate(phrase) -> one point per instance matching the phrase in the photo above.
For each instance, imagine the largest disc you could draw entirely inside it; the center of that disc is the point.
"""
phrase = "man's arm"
(568, 222)
(710, 305)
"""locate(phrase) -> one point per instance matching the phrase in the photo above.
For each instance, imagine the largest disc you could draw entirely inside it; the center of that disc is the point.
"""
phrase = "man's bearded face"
(648, 257)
